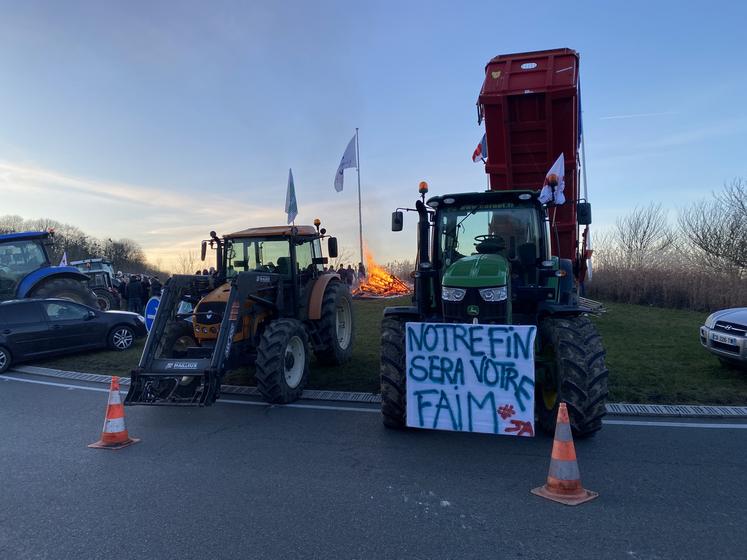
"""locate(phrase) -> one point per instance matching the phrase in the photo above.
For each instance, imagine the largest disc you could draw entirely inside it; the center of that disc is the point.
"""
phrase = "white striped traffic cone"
(114, 435)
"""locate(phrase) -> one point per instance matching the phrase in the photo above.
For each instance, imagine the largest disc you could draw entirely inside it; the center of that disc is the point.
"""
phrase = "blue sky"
(162, 120)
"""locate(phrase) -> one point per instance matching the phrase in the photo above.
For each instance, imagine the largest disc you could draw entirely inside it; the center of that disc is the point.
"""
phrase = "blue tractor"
(25, 271)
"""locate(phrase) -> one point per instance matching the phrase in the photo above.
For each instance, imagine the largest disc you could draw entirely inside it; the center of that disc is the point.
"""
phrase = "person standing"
(135, 295)
(155, 287)
(361, 272)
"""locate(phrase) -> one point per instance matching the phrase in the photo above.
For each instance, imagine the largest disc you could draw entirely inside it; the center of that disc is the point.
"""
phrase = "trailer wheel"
(573, 371)
(282, 366)
(336, 327)
(66, 288)
(392, 373)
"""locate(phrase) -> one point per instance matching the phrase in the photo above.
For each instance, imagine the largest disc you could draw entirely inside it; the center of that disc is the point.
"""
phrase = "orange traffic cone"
(564, 481)
(114, 435)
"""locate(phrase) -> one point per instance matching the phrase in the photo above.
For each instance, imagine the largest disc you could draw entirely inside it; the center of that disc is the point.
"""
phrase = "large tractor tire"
(66, 288)
(282, 366)
(393, 373)
(105, 300)
(574, 373)
(336, 327)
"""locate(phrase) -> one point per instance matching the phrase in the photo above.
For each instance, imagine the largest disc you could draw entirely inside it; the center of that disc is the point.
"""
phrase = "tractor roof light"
(423, 187)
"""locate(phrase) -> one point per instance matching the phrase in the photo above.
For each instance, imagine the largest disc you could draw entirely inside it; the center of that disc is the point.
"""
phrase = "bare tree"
(644, 233)
(717, 228)
(186, 263)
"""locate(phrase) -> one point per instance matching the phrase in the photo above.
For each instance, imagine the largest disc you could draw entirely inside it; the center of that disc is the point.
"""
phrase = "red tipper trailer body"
(531, 109)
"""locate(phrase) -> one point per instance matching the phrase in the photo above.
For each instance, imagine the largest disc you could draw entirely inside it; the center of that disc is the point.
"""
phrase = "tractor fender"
(33, 279)
(317, 295)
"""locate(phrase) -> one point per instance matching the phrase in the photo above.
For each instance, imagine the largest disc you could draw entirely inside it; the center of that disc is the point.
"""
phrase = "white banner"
(470, 378)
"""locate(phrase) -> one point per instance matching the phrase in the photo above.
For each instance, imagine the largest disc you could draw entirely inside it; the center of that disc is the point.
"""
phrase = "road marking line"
(652, 423)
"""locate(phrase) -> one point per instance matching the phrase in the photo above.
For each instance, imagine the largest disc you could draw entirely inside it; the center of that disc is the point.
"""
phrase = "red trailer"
(530, 103)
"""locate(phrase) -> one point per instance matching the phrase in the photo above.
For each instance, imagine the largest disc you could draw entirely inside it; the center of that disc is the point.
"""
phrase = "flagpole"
(360, 216)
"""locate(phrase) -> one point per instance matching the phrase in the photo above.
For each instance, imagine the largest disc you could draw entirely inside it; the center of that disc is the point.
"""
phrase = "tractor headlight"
(494, 294)
(453, 294)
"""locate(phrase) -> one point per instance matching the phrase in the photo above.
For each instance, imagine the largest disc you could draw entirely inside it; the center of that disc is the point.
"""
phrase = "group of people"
(135, 290)
(351, 277)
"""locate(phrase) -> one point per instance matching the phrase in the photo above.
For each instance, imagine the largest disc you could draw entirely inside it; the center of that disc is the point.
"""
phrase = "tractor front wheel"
(282, 366)
(572, 370)
(392, 373)
(336, 327)
(66, 288)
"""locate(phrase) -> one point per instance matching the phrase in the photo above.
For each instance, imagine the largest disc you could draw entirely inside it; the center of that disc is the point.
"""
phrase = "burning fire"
(380, 282)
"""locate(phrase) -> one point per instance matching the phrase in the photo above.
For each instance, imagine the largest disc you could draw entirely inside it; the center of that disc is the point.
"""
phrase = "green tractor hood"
(477, 271)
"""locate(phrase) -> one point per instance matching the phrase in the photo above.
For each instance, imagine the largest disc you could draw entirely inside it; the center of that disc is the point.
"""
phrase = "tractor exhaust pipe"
(424, 273)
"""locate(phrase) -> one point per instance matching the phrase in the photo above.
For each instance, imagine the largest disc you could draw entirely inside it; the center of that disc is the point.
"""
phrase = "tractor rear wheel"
(66, 288)
(574, 372)
(336, 327)
(105, 300)
(392, 372)
(282, 366)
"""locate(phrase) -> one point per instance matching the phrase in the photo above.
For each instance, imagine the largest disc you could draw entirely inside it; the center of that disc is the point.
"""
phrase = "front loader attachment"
(192, 375)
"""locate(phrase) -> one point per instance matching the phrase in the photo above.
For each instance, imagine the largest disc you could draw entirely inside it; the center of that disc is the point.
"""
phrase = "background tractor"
(270, 303)
(25, 271)
(501, 256)
(100, 275)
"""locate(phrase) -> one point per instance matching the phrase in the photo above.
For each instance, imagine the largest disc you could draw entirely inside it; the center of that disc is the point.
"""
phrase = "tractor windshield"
(18, 259)
(256, 254)
(500, 228)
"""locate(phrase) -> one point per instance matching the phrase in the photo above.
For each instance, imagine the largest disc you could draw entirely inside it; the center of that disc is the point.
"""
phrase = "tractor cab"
(492, 251)
(20, 255)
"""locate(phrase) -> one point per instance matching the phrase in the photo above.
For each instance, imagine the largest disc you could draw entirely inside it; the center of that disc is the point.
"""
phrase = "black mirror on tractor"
(203, 250)
(583, 213)
(332, 247)
(397, 221)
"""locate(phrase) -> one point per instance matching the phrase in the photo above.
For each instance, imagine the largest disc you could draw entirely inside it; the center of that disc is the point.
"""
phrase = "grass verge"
(653, 354)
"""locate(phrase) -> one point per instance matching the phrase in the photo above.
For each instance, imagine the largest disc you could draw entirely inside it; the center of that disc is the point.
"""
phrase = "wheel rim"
(3, 359)
(103, 303)
(343, 323)
(122, 339)
(294, 362)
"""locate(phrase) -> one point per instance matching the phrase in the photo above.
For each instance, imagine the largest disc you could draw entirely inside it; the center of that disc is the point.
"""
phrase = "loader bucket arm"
(193, 380)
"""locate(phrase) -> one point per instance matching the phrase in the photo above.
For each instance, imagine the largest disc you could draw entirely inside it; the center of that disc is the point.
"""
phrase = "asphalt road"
(250, 481)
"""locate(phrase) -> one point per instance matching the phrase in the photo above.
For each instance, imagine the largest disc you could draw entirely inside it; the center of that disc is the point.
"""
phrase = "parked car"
(42, 328)
(725, 335)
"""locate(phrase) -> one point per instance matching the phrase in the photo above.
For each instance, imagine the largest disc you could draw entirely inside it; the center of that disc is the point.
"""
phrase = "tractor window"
(263, 255)
(506, 229)
(304, 256)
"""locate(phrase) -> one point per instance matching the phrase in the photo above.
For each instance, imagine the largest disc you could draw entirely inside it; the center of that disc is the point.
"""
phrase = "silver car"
(725, 335)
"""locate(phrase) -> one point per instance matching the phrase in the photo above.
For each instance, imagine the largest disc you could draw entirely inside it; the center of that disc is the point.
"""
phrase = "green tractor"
(508, 256)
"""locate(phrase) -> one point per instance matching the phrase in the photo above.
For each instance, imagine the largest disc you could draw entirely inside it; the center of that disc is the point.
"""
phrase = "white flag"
(291, 207)
(348, 160)
(63, 262)
(554, 193)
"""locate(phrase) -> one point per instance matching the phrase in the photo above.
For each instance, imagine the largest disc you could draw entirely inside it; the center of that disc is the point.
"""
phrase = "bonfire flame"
(380, 282)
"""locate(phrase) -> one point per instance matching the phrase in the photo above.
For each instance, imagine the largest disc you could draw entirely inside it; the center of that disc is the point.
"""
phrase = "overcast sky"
(160, 121)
